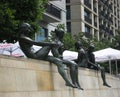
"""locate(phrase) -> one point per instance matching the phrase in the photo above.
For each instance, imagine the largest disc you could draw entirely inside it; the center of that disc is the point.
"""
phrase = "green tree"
(7, 22)
(69, 41)
(116, 41)
(105, 43)
(81, 36)
(15, 12)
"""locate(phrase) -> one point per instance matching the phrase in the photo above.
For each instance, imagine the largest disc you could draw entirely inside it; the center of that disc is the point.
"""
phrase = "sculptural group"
(57, 48)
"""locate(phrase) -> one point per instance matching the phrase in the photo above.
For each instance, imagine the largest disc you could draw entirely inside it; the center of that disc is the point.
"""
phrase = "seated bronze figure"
(93, 65)
(87, 59)
(73, 67)
(26, 44)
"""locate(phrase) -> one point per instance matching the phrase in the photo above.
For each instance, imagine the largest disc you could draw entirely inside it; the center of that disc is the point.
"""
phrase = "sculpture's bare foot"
(105, 84)
(80, 88)
(70, 85)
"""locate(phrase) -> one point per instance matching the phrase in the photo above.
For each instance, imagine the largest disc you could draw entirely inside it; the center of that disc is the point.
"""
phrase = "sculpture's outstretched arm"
(30, 41)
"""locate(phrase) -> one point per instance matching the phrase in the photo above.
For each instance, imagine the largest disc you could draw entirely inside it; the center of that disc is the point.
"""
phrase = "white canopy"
(107, 54)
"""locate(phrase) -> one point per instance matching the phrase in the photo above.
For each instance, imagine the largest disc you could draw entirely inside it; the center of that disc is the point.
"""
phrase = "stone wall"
(20, 77)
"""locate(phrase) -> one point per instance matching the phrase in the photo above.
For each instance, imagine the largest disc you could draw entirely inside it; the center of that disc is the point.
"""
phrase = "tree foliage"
(70, 41)
(7, 22)
(116, 41)
(15, 12)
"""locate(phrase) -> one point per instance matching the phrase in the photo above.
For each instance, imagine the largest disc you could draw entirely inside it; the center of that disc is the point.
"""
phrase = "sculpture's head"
(91, 48)
(78, 45)
(59, 33)
(25, 29)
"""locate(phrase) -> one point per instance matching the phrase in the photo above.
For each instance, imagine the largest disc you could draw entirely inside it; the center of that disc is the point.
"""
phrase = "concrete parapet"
(23, 77)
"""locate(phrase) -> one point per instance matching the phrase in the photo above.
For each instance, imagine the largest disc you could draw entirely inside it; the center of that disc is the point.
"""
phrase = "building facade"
(96, 18)
(55, 14)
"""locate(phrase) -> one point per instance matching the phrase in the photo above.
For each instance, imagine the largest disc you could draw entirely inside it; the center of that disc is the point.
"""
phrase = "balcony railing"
(53, 10)
(111, 32)
(103, 1)
(95, 24)
(86, 2)
(110, 6)
(87, 19)
(95, 9)
(67, 1)
(101, 13)
(101, 27)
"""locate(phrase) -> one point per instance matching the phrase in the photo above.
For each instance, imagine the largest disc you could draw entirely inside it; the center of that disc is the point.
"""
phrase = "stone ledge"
(23, 77)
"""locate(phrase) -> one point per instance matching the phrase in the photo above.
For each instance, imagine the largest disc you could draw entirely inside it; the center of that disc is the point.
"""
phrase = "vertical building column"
(82, 19)
(113, 18)
(92, 28)
(92, 17)
(98, 34)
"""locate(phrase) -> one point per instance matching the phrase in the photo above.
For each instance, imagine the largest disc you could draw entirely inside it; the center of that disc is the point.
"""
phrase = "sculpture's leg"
(42, 54)
(73, 75)
(55, 52)
(73, 72)
(61, 70)
(76, 77)
(103, 76)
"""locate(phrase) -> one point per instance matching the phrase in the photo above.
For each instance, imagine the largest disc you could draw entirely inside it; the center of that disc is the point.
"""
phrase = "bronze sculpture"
(81, 58)
(87, 59)
(26, 44)
(72, 65)
(92, 64)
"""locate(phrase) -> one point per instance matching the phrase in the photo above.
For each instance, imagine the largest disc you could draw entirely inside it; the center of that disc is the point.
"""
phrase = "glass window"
(68, 12)
(86, 13)
(87, 31)
(67, 1)
(68, 26)
(87, 1)
(42, 35)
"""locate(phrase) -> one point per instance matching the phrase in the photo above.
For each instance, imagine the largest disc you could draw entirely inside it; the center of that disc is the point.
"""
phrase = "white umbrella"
(107, 54)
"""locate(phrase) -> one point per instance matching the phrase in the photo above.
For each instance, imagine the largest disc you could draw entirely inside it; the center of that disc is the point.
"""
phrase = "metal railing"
(53, 10)
(86, 2)
(87, 19)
